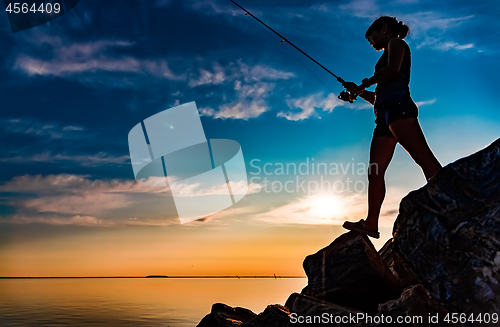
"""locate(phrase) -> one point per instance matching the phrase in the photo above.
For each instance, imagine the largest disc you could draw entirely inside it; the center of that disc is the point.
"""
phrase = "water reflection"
(133, 302)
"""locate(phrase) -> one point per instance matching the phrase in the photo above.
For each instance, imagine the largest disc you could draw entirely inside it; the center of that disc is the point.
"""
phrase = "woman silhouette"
(396, 115)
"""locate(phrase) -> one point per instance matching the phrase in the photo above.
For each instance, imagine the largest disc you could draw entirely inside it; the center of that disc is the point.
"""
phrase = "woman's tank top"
(399, 84)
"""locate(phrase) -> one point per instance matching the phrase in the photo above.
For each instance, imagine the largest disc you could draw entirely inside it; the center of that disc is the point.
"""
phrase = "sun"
(326, 206)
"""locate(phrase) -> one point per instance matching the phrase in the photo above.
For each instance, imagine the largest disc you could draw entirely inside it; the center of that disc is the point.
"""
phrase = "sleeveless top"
(399, 84)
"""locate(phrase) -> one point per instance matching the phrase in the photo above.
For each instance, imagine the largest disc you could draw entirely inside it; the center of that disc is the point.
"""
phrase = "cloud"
(237, 71)
(252, 85)
(438, 44)
(429, 29)
(73, 128)
(53, 220)
(210, 6)
(362, 8)
(218, 76)
(324, 8)
(68, 184)
(74, 199)
(244, 109)
(260, 72)
(53, 130)
(422, 22)
(250, 102)
(425, 103)
(91, 57)
(306, 107)
(67, 199)
(332, 209)
(84, 160)
(81, 202)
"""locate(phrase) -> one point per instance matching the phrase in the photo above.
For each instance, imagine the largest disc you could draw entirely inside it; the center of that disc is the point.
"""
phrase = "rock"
(385, 253)
(393, 261)
(447, 234)
(445, 247)
(416, 306)
(225, 316)
(406, 277)
(312, 311)
(350, 272)
(274, 315)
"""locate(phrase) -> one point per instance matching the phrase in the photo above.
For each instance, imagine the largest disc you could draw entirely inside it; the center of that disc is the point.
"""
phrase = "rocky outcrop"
(225, 316)
(442, 264)
(447, 234)
(273, 316)
(416, 306)
(308, 311)
(351, 273)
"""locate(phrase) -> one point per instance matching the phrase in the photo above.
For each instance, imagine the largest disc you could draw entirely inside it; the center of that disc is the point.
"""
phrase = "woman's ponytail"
(403, 30)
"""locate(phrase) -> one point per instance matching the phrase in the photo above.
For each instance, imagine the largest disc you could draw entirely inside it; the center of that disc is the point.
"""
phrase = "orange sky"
(189, 250)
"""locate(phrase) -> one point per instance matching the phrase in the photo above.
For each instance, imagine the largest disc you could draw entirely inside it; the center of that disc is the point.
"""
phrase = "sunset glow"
(73, 88)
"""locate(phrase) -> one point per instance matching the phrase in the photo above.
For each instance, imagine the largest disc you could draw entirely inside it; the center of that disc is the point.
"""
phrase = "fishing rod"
(344, 95)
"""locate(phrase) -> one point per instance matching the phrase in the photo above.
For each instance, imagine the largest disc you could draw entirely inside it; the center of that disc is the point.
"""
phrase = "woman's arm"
(396, 53)
(368, 96)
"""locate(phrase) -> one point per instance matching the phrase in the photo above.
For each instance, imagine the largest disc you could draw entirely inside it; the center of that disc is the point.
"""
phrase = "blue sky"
(73, 88)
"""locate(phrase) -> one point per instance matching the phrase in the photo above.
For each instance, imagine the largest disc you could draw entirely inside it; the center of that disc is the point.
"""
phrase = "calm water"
(132, 302)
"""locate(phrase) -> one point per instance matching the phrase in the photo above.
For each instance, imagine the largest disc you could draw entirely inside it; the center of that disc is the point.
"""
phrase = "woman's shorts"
(401, 106)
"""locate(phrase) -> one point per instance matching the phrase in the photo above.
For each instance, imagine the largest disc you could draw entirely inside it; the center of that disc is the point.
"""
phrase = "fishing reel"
(344, 96)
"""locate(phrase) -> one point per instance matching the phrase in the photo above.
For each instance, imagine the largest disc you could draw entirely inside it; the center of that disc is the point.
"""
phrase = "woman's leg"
(408, 133)
(381, 151)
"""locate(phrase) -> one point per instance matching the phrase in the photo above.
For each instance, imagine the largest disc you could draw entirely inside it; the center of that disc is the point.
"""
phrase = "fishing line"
(344, 95)
(286, 48)
(308, 69)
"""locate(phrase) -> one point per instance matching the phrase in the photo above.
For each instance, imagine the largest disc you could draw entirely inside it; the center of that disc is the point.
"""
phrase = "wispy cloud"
(211, 7)
(91, 57)
(67, 199)
(422, 22)
(237, 71)
(31, 126)
(100, 158)
(75, 199)
(425, 103)
(306, 107)
(362, 8)
(250, 102)
(431, 29)
(331, 209)
(55, 220)
(252, 86)
(442, 45)
(244, 109)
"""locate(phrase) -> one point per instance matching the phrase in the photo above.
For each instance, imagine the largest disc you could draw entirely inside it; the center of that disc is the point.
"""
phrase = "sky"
(73, 88)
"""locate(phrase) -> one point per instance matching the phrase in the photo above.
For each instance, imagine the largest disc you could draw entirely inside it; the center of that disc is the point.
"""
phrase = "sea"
(168, 302)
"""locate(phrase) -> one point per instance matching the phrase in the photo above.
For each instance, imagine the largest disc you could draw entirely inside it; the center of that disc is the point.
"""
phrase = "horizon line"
(153, 276)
